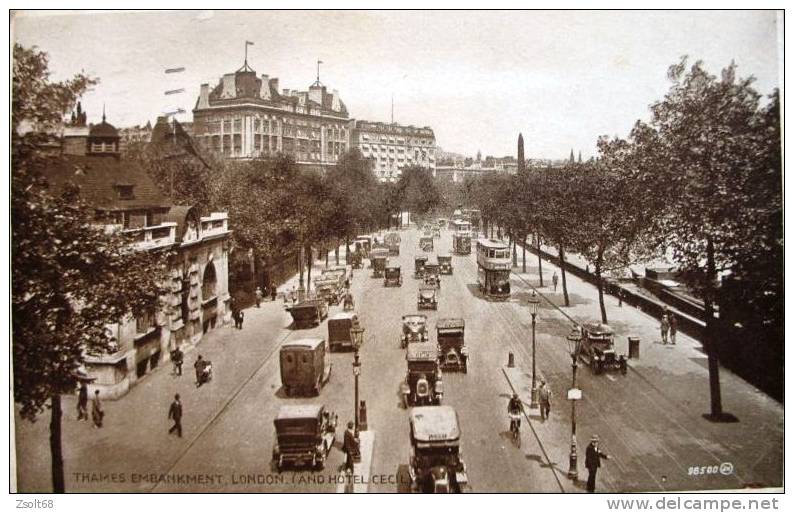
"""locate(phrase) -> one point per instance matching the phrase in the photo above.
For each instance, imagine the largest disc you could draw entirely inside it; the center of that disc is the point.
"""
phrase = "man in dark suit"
(350, 446)
(592, 461)
(175, 413)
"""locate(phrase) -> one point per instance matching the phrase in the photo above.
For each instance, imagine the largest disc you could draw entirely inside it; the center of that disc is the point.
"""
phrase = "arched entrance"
(209, 298)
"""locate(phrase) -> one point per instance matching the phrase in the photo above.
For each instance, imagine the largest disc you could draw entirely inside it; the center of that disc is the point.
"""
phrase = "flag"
(249, 43)
(175, 70)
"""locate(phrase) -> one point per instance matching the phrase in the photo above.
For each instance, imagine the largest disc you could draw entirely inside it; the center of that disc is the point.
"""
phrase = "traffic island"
(554, 444)
(358, 482)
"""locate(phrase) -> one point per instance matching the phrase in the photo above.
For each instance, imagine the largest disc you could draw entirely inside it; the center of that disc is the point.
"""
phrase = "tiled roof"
(98, 178)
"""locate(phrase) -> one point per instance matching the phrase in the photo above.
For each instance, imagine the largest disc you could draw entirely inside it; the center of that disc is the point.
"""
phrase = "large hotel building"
(392, 147)
(245, 116)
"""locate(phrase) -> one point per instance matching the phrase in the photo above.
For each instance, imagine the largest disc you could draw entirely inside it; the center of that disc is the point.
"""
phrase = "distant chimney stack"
(264, 89)
(336, 103)
(274, 84)
(204, 97)
(229, 87)
(75, 140)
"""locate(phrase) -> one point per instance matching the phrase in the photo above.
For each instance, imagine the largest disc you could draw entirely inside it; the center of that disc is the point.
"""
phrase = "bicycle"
(515, 427)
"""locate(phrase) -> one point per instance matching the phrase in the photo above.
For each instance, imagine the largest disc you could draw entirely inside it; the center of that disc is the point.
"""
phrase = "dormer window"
(125, 192)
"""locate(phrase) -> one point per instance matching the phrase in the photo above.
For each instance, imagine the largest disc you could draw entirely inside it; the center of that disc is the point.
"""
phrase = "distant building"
(124, 198)
(135, 135)
(391, 147)
(246, 116)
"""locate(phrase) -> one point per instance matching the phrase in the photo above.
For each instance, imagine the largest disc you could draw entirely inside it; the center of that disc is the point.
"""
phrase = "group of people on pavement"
(97, 413)
(668, 325)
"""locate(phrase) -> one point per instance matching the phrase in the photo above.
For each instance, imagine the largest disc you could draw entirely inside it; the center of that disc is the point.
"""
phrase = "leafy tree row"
(702, 179)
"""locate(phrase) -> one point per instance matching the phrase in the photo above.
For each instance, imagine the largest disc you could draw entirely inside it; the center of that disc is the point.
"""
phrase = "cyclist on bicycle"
(514, 409)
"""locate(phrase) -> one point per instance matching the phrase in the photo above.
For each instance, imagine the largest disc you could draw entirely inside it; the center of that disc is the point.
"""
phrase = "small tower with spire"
(571, 159)
(580, 156)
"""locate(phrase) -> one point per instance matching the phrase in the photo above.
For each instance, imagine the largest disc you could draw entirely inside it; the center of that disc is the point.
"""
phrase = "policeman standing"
(350, 446)
(592, 461)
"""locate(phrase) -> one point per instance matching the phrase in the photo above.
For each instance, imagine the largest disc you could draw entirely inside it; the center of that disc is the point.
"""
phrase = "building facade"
(391, 147)
(125, 199)
(246, 116)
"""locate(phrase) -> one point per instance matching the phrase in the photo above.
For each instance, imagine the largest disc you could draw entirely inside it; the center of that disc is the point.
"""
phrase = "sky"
(478, 78)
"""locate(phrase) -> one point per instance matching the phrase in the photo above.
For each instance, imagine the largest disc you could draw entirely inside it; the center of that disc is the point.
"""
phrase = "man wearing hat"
(592, 461)
(545, 399)
(350, 445)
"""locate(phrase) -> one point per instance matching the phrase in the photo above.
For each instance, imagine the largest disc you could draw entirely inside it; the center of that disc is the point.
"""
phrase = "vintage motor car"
(343, 272)
(433, 273)
(392, 276)
(436, 462)
(364, 242)
(328, 290)
(308, 313)
(423, 385)
(393, 243)
(445, 264)
(426, 242)
(419, 266)
(379, 258)
(414, 329)
(339, 330)
(356, 259)
(598, 349)
(427, 298)
(452, 350)
(305, 365)
(305, 435)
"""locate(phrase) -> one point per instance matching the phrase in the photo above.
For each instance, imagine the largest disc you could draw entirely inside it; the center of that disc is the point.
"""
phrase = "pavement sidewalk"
(359, 481)
(98, 459)
(679, 372)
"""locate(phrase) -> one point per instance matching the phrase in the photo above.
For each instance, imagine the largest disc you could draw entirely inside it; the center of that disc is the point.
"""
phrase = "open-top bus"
(493, 268)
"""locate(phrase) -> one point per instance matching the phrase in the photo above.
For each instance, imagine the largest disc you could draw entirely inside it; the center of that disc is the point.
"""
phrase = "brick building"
(246, 116)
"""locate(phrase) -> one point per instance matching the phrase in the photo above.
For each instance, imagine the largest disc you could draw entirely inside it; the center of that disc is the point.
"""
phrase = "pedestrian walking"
(592, 461)
(177, 358)
(273, 293)
(240, 317)
(554, 280)
(673, 328)
(350, 446)
(175, 414)
(258, 294)
(82, 402)
(544, 394)
(665, 327)
(199, 366)
(620, 297)
(97, 413)
(293, 295)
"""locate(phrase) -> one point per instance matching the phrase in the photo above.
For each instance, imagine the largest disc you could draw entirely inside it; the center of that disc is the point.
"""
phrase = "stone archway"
(209, 282)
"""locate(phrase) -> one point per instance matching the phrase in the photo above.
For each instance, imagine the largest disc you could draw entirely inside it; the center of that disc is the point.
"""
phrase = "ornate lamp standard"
(533, 303)
(357, 336)
(574, 346)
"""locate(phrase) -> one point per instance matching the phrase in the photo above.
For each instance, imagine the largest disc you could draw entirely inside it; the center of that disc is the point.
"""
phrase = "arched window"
(209, 282)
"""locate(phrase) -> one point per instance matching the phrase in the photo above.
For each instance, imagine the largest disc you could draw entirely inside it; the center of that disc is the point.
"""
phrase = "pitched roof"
(99, 178)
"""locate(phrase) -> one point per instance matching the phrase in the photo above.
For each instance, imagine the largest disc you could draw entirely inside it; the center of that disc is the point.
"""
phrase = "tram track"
(597, 404)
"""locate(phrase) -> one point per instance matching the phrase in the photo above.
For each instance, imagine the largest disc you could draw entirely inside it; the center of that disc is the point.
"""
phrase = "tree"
(418, 190)
(70, 279)
(719, 145)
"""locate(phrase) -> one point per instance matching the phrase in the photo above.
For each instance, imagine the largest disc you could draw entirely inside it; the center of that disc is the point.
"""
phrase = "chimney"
(285, 92)
(75, 140)
(204, 97)
(274, 84)
(264, 89)
(335, 102)
(229, 87)
(316, 93)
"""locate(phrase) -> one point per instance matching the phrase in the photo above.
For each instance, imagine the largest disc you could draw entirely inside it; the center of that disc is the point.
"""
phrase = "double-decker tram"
(461, 237)
(493, 268)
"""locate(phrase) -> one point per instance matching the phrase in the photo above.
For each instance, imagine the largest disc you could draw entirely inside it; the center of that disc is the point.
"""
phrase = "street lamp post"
(357, 335)
(574, 345)
(533, 303)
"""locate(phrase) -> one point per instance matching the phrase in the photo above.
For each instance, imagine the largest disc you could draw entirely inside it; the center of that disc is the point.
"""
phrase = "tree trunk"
(564, 282)
(336, 252)
(600, 285)
(327, 256)
(55, 445)
(524, 254)
(512, 240)
(347, 250)
(709, 335)
(309, 263)
(300, 267)
(540, 260)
